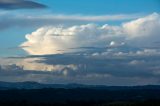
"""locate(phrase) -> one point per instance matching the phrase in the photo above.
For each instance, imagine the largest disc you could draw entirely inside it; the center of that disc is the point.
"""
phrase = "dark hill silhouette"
(36, 85)
(32, 93)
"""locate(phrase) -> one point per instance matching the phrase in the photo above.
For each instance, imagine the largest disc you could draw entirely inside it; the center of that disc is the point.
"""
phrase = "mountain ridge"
(37, 85)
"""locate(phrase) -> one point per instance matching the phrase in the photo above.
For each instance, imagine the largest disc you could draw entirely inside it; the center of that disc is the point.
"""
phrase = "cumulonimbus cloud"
(53, 40)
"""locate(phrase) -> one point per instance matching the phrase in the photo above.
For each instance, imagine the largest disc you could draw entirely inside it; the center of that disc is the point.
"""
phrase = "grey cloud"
(20, 4)
(88, 77)
(86, 68)
(126, 65)
(103, 65)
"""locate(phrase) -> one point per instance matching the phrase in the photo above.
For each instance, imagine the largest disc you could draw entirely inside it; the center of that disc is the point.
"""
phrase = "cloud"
(89, 54)
(53, 40)
(58, 39)
(115, 64)
(146, 26)
(108, 69)
(20, 4)
(46, 19)
(92, 18)
(144, 29)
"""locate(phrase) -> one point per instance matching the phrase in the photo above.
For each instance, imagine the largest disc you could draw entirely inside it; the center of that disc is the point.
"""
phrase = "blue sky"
(102, 6)
(111, 42)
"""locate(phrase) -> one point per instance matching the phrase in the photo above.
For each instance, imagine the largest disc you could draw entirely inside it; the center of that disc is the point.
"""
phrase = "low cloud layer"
(52, 40)
(120, 65)
(19, 4)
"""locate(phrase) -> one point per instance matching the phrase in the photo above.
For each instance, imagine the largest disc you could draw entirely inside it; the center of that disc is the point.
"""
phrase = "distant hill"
(33, 93)
(36, 85)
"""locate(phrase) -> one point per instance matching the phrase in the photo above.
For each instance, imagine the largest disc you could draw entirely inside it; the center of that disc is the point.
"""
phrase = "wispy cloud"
(26, 20)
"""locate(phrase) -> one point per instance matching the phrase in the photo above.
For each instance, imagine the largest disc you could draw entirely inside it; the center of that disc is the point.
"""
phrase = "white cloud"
(136, 62)
(89, 18)
(146, 26)
(148, 52)
(116, 44)
(53, 40)
(143, 31)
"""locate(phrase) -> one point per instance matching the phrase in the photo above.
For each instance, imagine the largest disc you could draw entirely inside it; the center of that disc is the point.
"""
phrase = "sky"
(97, 42)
